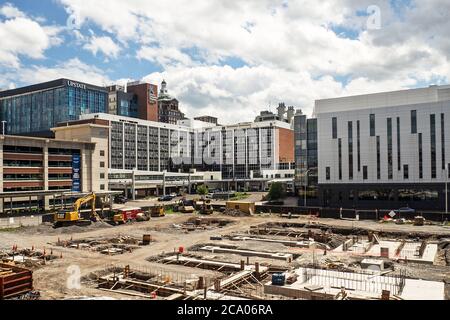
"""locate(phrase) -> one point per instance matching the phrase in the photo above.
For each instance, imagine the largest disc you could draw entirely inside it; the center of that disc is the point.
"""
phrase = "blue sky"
(220, 55)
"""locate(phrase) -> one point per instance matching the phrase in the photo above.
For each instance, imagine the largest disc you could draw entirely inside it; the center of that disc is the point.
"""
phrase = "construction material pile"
(110, 246)
(235, 213)
(29, 258)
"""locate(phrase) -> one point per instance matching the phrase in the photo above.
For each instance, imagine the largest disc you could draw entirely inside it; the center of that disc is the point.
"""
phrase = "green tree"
(276, 192)
(202, 190)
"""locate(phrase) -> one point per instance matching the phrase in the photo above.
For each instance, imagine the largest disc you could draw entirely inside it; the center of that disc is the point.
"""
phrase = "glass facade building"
(37, 108)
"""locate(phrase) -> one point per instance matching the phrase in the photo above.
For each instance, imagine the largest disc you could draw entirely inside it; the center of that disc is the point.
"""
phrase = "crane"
(73, 217)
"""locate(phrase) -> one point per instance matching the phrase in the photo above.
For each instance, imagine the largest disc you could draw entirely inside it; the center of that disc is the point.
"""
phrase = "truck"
(125, 215)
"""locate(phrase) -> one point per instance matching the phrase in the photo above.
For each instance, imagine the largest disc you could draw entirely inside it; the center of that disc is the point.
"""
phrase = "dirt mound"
(235, 213)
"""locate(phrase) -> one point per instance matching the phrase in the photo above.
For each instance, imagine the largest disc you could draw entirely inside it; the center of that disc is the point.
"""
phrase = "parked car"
(120, 199)
(166, 198)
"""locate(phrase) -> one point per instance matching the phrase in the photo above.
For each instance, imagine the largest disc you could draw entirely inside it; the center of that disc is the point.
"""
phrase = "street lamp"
(306, 184)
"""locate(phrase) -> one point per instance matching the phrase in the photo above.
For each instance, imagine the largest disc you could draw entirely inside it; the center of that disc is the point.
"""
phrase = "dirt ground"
(52, 279)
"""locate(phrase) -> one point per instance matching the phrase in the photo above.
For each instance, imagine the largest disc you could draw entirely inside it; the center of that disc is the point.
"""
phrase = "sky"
(230, 59)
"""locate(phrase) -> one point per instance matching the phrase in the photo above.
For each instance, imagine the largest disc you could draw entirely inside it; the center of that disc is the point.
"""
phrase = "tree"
(202, 190)
(276, 192)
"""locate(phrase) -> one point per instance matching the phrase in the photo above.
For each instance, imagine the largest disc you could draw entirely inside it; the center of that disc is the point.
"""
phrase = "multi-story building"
(306, 155)
(122, 103)
(33, 110)
(34, 170)
(208, 119)
(168, 108)
(248, 155)
(283, 114)
(384, 150)
(146, 97)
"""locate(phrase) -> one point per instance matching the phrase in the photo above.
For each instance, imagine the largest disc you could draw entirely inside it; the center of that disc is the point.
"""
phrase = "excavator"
(65, 218)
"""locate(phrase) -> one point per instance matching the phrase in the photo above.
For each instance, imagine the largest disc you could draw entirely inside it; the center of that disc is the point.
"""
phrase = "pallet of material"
(14, 281)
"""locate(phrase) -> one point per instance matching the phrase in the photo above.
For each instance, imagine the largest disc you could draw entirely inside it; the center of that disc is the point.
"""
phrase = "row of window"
(390, 164)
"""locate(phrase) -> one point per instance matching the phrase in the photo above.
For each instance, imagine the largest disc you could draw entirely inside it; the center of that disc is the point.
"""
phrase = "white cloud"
(21, 35)
(105, 45)
(9, 11)
(72, 69)
(164, 56)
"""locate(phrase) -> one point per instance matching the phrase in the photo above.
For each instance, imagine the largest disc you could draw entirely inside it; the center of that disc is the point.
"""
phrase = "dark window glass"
(334, 126)
(399, 146)
(420, 156)
(340, 158)
(413, 121)
(102, 153)
(406, 172)
(372, 125)
(350, 150)
(328, 173)
(378, 158)
(443, 140)
(365, 173)
(358, 129)
(389, 150)
(433, 146)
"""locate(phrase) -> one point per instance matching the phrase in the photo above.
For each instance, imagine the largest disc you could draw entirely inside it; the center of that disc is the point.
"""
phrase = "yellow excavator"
(65, 218)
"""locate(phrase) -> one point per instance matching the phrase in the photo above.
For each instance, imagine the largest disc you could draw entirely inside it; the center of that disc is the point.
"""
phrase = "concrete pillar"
(133, 185)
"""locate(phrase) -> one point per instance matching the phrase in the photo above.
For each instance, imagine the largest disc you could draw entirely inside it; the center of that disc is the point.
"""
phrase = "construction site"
(226, 256)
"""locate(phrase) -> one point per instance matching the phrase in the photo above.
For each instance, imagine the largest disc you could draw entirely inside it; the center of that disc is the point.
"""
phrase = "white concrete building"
(393, 147)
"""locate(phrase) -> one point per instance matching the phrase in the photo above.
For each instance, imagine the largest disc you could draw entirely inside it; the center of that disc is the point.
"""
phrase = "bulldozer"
(157, 211)
(65, 218)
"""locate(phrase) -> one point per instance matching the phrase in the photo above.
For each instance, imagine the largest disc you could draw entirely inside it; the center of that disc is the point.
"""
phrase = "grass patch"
(240, 196)
(11, 230)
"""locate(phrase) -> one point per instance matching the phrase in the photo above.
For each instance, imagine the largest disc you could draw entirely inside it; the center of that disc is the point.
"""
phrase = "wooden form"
(14, 281)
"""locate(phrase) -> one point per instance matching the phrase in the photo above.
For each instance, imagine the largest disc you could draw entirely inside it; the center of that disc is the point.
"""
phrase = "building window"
(365, 173)
(443, 140)
(358, 129)
(328, 173)
(102, 187)
(334, 126)
(102, 164)
(413, 121)
(378, 158)
(433, 146)
(102, 176)
(102, 153)
(406, 172)
(389, 150)
(372, 125)
(399, 147)
(350, 150)
(340, 158)
(420, 156)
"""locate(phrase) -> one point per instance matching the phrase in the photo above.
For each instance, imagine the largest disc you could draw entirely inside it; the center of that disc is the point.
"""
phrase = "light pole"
(306, 184)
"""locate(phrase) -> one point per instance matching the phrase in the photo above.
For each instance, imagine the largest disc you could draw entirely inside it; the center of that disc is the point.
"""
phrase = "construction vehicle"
(126, 215)
(205, 207)
(72, 217)
(185, 206)
(157, 211)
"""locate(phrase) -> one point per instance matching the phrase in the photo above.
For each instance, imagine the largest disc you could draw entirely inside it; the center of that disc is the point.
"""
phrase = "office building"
(33, 170)
(283, 114)
(168, 107)
(384, 150)
(146, 97)
(245, 156)
(121, 102)
(33, 110)
(207, 119)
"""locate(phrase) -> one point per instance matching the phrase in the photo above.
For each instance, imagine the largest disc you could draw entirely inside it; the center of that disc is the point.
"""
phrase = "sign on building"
(76, 173)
